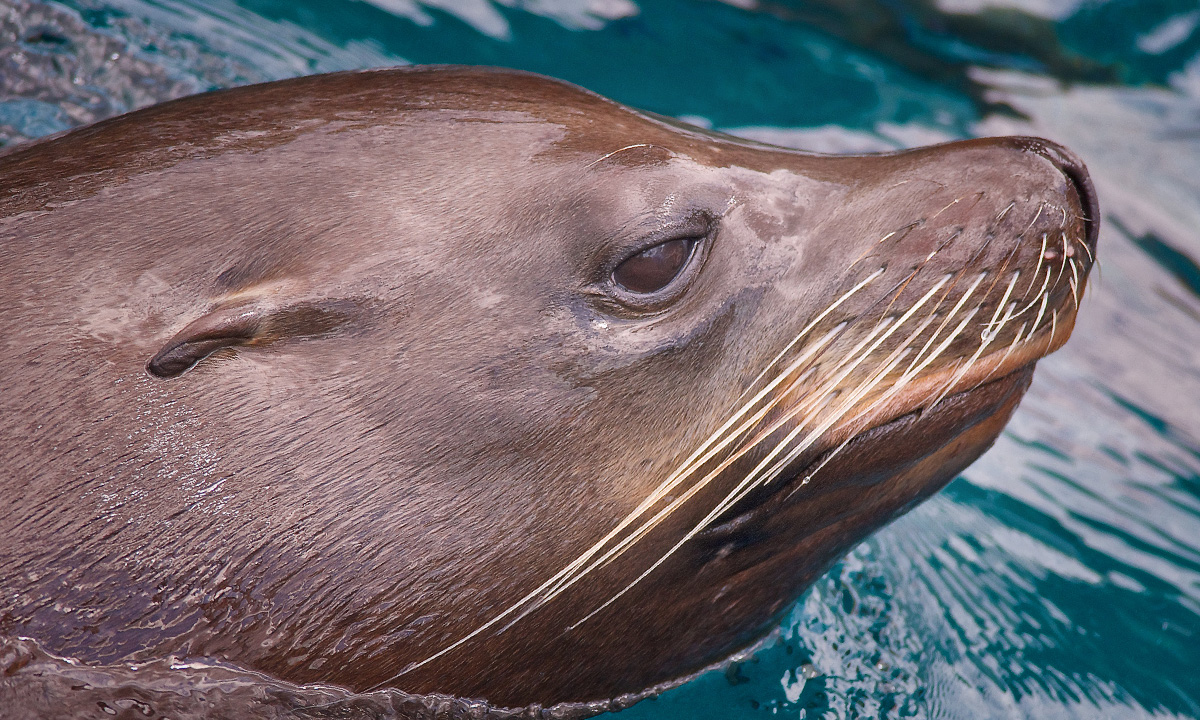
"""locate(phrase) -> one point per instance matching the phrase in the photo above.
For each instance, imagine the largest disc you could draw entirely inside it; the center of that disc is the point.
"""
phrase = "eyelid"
(697, 226)
(700, 228)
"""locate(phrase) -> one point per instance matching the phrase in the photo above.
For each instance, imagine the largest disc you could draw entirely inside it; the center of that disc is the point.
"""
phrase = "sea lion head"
(473, 382)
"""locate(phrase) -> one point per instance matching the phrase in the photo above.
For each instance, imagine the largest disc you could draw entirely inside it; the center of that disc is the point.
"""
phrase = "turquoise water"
(1060, 577)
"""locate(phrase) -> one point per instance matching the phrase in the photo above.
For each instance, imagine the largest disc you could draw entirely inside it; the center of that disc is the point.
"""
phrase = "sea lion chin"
(469, 381)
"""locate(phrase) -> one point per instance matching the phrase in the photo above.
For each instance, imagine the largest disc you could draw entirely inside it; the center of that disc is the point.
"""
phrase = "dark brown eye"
(654, 268)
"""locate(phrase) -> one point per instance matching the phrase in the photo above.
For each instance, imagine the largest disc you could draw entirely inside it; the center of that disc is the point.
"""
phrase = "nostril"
(1072, 166)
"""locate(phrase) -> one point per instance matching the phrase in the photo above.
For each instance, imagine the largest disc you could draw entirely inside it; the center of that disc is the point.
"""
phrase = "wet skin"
(396, 379)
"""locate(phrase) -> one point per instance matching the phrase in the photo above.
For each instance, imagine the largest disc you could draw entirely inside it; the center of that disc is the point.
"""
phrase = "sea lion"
(469, 381)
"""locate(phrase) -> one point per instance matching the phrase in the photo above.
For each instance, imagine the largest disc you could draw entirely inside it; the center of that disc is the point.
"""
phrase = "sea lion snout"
(1074, 168)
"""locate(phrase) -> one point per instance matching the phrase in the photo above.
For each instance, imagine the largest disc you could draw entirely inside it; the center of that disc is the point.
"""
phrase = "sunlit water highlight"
(1060, 578)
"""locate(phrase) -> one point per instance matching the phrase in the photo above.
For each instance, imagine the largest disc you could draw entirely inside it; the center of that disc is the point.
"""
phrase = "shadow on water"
(1174, 261)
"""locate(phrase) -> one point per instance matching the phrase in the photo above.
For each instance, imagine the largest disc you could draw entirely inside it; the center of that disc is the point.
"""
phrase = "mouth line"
(764, 502)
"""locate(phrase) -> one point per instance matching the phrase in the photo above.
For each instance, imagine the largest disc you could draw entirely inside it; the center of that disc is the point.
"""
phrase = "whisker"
(893, 327)
(1088, 250)
(664, 513)
(927, 404)
(809, 418)
(1000, 305)
(817, 469)
(950, 316)
(1041, 311)
(660, 492)
(1041, 257)
(1037, 215)
(913, 371)
(837, 380)
(813, 324)
(567, 581)
(1075, 284)
(978, 197)
(748, 484)
(754, 478)
(1003, 266)
(904, 284)
(1045, 284)
(903, 350)
(850, 400)
(1011, 346)
(953, 202)
(986, 338)
(870, 249)
(602, 158)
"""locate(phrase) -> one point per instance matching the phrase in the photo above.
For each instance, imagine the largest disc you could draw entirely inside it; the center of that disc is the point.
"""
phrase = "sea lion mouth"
(980, 402)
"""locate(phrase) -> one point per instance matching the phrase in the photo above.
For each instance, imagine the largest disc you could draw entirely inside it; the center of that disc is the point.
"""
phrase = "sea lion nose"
(1072, 166)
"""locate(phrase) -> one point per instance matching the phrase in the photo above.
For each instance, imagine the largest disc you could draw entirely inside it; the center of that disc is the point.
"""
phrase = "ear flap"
(245, 323)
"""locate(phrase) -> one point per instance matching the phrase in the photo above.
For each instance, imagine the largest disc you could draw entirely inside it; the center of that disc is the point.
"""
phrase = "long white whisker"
(1074, 284)
(747, 484)
(1041, 312)
(902, 350)
(1041, 258)
(564, 581)
(999, 364)
(621, 150)
(851, 400)
(986, 338)
(846, 296)
(999, 306)
(949, 317)
(654, 521)
(1045, 284)
(848, 402)
(912, 372)
(814, 415)
(751, 479)
(654, 498)
(1088, 250)
(1035, 219)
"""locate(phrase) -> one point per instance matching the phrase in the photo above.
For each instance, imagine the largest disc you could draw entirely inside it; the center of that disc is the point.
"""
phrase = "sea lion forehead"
(556, 122)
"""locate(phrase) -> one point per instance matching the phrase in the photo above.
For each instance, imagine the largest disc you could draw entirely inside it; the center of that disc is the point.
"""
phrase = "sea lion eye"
(655, 267)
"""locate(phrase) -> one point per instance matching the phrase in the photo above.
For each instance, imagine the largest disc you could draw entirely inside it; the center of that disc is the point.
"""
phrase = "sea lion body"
(331, 378)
